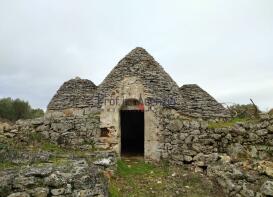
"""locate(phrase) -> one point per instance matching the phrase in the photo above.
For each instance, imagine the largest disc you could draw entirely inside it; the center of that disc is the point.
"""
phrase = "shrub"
(17, 109)
(245, 111)
(7, 154)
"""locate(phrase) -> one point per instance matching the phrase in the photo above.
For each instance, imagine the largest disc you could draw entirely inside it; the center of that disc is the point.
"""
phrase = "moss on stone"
(7, 165)
(230, 123)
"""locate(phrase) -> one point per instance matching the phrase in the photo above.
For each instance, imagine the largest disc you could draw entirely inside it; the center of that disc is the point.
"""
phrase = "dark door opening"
(132, 132)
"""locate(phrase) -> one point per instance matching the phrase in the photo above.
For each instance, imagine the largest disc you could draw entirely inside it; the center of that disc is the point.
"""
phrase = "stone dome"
(74, 93)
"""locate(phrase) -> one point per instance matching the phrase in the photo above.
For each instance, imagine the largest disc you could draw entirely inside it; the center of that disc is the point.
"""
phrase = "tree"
(22, 109)
(17, 109)
(35, 113)
(6, 109)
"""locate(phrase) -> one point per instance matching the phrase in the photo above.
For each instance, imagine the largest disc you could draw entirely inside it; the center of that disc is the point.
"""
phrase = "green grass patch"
(58, 161)
(135, 178)
(35, 137)
(230, 123)
(114, 191)
(47, 146)
(7, 165)
(139, 168)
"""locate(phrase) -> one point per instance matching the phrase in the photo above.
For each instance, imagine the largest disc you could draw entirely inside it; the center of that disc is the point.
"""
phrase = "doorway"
(132, 132)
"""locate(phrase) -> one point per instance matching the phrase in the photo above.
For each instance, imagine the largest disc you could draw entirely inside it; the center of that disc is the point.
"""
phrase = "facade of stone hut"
(131, 106)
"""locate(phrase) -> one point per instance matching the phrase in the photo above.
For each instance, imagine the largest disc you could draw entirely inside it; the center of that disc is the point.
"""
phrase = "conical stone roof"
(74, 93)
(139, 63)
(199, 103)
(189, 99)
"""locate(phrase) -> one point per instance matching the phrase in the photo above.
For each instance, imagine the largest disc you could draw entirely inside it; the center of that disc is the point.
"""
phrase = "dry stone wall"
(43, 172)
(72, 128)
(240, 156)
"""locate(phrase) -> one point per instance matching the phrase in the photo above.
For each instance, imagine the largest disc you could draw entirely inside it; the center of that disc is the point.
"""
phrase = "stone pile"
(73, 178)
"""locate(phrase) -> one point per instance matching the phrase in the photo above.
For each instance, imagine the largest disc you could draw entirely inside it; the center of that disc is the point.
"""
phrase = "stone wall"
(73, 178)
(239, 156)
(78, 169)
(72, 128)
(189, 137)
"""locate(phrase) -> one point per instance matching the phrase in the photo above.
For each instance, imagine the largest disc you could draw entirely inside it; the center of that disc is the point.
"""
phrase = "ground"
(135, 178)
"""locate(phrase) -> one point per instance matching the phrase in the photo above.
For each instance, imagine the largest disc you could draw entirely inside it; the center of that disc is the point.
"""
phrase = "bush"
(245, 111)
(7, 109)
(17, 109)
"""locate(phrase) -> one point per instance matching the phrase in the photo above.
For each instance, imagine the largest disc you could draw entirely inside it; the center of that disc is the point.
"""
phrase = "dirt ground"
(135, 178)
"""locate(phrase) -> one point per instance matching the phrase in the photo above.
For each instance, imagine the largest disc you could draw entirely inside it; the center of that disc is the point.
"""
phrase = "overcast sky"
(226, 47)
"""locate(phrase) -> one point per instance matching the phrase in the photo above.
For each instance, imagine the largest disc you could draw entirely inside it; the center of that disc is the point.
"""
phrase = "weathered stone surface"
(199, 103)
(176, 125)
(266, 167)
(39, 192)
(74, 93)
(57, 192)
(79, 173)
(270, 129)
(19, 194)
(236, 150)
(21, 182)
(106, 162)
(262, 132)
(55, 180)
(247, 192)
(267, 188)
(39, 172)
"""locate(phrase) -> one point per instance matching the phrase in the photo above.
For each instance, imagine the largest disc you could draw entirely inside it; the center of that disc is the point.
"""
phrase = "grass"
(139, 168)
(58, 161)
(136, 178)
(130, 172)
(47, 146)
(7, 153)
(7, 165)
(230, 123)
